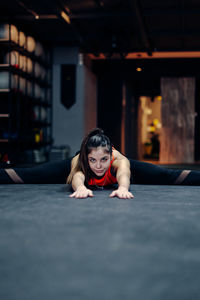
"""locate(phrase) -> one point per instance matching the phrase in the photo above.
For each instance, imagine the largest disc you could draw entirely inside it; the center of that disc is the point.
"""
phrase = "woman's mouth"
(98, 171)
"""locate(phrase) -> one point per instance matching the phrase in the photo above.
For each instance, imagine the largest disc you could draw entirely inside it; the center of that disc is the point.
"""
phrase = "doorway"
(149, 127)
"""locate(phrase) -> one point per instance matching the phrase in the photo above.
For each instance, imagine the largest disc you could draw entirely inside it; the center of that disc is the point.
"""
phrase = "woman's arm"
(80, 190)
(77, 179)
(122, 167)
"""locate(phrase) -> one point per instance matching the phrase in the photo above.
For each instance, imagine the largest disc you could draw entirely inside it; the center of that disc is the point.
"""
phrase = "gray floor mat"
(54, 247)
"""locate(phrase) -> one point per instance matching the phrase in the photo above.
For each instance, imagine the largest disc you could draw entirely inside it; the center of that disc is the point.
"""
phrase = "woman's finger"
(72, 195)
(90, 193)
(113, 194)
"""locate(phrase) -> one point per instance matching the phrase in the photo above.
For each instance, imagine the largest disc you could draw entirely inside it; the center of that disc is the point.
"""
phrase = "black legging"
(146, 173)
(50, 172)
(141, 173)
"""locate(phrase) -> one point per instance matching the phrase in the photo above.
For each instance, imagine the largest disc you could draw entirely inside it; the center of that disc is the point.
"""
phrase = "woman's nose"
(98, 164)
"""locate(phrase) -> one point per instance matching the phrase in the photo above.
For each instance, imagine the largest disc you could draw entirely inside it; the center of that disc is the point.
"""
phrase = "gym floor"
(101, 248)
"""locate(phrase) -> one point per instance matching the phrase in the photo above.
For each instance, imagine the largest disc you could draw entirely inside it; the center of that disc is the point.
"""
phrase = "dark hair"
(95, 138)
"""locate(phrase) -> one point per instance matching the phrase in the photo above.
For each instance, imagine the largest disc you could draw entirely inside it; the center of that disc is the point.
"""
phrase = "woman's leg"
(51, 172)
(147, 173)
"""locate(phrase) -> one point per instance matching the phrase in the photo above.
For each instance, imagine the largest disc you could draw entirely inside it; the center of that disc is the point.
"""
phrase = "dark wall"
(197, 120)
(131, 121)
(109, 106)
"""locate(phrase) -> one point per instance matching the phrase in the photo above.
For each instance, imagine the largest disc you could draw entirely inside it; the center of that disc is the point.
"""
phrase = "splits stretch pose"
(99, 165)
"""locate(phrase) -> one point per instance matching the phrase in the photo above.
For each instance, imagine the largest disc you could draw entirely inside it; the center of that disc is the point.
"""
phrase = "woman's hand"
(122, 193)
(82, 192)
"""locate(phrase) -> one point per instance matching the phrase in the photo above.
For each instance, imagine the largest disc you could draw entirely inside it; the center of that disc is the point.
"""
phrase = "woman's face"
(99, 160)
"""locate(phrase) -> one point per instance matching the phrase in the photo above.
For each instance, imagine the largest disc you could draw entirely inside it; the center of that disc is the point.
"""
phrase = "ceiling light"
(65, 17)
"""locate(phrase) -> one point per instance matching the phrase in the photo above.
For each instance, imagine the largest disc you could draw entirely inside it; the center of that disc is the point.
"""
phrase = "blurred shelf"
(17, 71)
(4, 115)
(25, 101)
(11, 45)
(40, 124)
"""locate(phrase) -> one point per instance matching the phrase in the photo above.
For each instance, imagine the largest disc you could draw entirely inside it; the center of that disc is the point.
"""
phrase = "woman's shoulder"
(75, 160)
(119, 159)
(118, 155)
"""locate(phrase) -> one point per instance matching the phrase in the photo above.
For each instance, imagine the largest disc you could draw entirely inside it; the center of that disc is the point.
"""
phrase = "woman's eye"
(104, 159)
(92, 160)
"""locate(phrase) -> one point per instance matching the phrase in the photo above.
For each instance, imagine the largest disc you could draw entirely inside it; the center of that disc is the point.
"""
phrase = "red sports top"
(107, 179)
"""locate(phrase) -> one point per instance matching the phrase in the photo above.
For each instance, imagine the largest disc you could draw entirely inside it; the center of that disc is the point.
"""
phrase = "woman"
(99, 165)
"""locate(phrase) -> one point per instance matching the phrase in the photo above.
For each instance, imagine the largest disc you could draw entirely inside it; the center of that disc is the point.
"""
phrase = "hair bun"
(96, 131)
